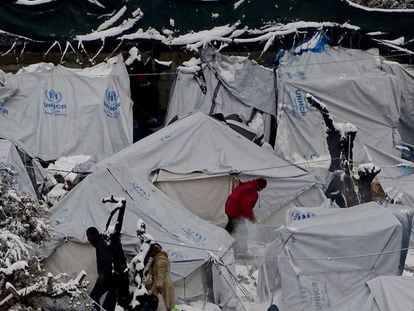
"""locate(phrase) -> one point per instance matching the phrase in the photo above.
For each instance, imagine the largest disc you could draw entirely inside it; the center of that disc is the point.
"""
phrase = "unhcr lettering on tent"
(176, 256)
(52, 104)
(314, 296)
(300, 105)
(140, 191)
(297, 215)
(112, 104)
(298, 74)
(3, 110)
(195, 236)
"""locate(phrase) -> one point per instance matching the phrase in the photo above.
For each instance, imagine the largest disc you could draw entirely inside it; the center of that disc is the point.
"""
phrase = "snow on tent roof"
(229, 88)
(361, 94)
(56, 111)
(184, 236)
(199, 143)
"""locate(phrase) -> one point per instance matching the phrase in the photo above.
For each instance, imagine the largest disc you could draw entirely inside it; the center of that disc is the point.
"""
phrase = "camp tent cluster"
(177, 179)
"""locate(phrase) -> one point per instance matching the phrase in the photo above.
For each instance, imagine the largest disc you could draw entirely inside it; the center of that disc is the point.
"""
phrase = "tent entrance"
(203, 194)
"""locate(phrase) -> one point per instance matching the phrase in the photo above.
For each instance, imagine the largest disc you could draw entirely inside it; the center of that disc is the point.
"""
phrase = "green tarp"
(63, 19)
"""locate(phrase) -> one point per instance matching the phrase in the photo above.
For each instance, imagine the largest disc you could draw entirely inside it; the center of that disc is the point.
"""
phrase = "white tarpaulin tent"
(354, 89)
(233, 85)
(383, 293)
(28, 176)
(55, 111)
(199, 143)
(321, 259)
(406, 76)
(187, 239)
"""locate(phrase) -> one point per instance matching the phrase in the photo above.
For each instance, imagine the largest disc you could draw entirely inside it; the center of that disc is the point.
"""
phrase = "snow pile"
(134, 55)
(257, 123)
(368, 168)
(24, 223)
(113, 31)
(345, 128)
(65, 173)
(191, 66)
(383, 5)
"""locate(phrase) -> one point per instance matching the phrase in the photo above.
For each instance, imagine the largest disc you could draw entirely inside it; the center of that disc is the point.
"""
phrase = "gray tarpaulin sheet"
(406, 76)
(9, 157)
(322, 259)
(184, 236)
(199, 143)
(384, 293)
(396, 176)
(234, 85)
(359, 93)
(57, 111)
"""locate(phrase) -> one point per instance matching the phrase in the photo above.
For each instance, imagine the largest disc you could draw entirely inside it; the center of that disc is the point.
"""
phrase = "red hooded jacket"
(242, 200)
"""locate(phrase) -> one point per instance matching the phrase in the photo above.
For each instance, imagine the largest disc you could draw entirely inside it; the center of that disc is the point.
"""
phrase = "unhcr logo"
(3, 110)
(52, 104)
(111, 104)
(301, 106)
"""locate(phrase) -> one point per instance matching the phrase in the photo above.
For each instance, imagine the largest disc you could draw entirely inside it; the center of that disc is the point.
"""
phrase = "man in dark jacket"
(242, 200)
(104, 266)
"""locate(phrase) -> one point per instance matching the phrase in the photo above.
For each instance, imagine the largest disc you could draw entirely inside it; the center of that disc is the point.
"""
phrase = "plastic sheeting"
(57, 111)
(321, 259)
(199, 143)
(233, 85)
(406, 77)
(384, 293)
(396, 176)
(204, 195)
(361, 94)
(10, 157)
(183, 235)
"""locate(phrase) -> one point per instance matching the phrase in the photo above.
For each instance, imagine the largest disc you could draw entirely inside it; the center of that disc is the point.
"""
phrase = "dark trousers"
(230, 225)
(121, 284)
(99, 290)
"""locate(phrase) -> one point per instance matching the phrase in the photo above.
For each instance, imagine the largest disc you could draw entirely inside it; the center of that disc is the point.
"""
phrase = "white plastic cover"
(10, 157)
(58, 111)
(319, 260)
(184, 236)
(406, 76)
(383, 293)
(199, 143)
(202, 194)
(353, 88)
(233, 85)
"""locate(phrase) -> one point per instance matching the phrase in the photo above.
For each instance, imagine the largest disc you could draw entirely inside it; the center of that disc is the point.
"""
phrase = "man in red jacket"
(242, 200)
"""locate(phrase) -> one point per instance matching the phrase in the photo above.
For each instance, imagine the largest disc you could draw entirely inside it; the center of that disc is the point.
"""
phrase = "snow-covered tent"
(327, 253)
(198, 143)
(188, 240)
(354, 89)
(223, 84)
(383, 293)
(29, 174)
(396, 176)
(56, 111)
